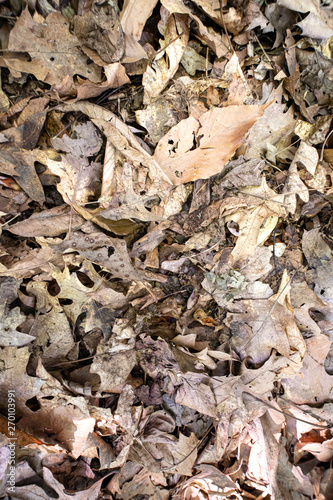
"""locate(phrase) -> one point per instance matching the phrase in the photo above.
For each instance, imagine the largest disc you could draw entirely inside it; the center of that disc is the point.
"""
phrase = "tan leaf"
(158, 75)
(115, 77)
(218, 133)
(51, 222)
(20, 164)
(126, 140)
(214, 40)
(53, 49)
(78, 175)
(134, 16)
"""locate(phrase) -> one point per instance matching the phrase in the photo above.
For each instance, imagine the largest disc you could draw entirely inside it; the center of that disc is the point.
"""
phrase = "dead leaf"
(158, 75)
(218, 43)
(51, 222)
(77, 174)
(217, 135)
(63, 57)
(20, 164)
(115, 77)
(319, 257)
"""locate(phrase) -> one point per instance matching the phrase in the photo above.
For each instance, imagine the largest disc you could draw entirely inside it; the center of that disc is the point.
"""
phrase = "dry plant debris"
(166, 268)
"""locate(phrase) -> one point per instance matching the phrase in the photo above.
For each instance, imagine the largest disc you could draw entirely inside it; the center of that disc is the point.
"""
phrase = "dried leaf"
(20, 164)
(134, 16)
(319, 257)
(217, 134)
(77, 175)
(52, 59)
(158, 75)
(51, 222)
(115, 77)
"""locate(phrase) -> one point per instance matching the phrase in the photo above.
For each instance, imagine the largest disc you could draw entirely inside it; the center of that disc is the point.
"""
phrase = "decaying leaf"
(115, 77)
(19, 164)
(166, 249)
(158, 75)
(77, 174)
(53, 59)
(319, 256)
(199, 149)
(51, 222)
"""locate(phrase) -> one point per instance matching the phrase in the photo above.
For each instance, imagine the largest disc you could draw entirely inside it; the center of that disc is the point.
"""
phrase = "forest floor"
(166, 269)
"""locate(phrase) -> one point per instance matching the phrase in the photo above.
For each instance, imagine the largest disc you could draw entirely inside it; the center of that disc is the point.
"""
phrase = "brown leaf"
(20, 164)
(134, 16)
(158, 75)
(320, 261)
(78, 175)
(217, 134)
(53, 57)
(115, 77)
(51, 222)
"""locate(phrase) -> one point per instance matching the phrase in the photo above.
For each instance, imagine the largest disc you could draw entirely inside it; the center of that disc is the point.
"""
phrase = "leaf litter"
(166, 269)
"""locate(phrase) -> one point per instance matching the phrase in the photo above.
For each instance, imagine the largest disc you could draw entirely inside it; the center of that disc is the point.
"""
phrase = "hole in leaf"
(65, 302)
(33, 404)
(53, 288)
(84, 279)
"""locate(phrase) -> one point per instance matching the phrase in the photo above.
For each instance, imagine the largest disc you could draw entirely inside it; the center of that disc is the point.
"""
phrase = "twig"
(329, 426)
(224, 27)
(323, 146)
(162, 49)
